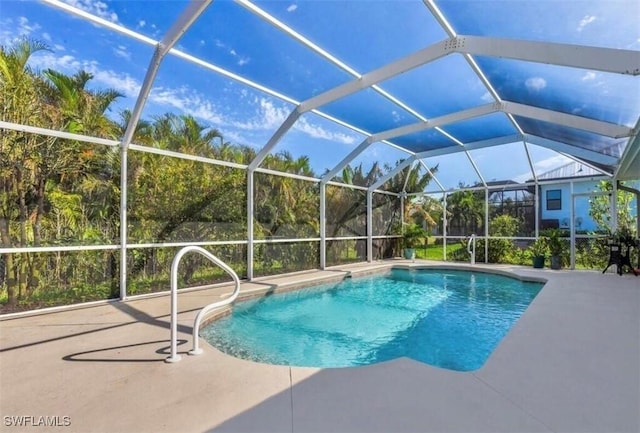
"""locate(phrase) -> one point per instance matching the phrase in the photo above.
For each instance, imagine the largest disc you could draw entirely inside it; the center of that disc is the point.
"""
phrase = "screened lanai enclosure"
(285, 136)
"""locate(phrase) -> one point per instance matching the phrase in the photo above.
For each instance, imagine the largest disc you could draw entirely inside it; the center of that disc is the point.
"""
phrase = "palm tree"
(83, 110)
(20, 102)
(284, 203)
(466, 210)
(77, 109)
(412, 180)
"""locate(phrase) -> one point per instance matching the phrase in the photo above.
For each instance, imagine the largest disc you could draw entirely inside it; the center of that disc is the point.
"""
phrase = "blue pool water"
(449, 319)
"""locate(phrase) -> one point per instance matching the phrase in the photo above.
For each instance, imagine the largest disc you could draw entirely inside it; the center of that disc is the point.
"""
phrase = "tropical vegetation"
(61, 192)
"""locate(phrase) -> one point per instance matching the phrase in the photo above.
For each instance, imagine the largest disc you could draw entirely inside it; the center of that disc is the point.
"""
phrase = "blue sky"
(228, 35)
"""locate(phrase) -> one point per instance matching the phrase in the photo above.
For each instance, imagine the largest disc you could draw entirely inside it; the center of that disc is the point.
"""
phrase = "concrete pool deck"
(571, 363)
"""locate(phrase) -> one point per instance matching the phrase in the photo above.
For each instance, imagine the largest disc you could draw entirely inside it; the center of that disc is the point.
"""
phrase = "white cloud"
(142, 23)
(66, 63)
(241, 60)
(273, 116)
(292, 8)
(535, 84)
(317, 131)
(589, 76)
(121, 51)
(121, 82)
(266, 116)
(94, 7)
(188, 102)
(26, 28)
(588, 19)
(46, 36)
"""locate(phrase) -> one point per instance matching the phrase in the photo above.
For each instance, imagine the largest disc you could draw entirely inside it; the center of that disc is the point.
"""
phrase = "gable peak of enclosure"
(320, 121)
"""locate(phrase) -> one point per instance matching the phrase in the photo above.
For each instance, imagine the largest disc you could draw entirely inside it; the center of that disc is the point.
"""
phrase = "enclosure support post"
(123, 221)
(637, 194)
(614, 207)
(572, 231)
(323, 225)
(486, 225)
(444, 226)
(369, 226)
(536, 205)
(402, 210)
(249, 224)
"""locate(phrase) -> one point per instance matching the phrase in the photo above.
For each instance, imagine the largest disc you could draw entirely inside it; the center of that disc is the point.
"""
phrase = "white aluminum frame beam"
(100, 21)
(432, 174)
(585, 163)
(572, 150)
(629, 169)
(419, 58)
(543, 55)
(578, 122)
(413, 166)
(414, 60)
(629, 156)
(191, 13)
(58, 134)
(275, 138)
(346, 160)
(618, 61)
(415, 127)
(596, 126)
(471, 146)
(447, 119)
(534, 175)
(496, 141)
(397, 169)
(448, 28)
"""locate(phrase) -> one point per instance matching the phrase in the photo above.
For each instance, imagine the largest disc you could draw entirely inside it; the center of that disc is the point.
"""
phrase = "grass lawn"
(434, 252)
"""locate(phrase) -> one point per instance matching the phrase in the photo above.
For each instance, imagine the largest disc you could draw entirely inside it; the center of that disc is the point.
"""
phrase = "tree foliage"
(56, 191)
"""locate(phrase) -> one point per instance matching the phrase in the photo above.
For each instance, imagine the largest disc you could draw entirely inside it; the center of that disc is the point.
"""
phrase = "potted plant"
(539, 250)
(556, 247)
(411, 238)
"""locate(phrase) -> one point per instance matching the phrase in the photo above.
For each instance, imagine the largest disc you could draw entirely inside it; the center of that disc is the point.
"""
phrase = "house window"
(554, 199)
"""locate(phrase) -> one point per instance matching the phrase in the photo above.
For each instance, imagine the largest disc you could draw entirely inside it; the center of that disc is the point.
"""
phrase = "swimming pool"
(446, 318)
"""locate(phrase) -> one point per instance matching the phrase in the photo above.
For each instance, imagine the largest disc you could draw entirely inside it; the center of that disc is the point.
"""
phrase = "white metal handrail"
(174, 357)
(471, 248)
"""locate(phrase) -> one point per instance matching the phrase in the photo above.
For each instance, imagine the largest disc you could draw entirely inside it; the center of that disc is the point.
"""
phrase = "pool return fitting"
(471, 248)
(174, 357)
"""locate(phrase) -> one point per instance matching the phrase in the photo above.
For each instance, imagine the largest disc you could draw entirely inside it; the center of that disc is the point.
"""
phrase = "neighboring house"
(555, 200)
